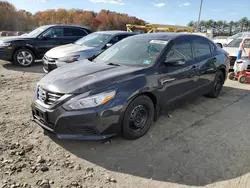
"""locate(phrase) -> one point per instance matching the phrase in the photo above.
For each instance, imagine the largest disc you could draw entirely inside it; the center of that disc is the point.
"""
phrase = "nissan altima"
(123, 90)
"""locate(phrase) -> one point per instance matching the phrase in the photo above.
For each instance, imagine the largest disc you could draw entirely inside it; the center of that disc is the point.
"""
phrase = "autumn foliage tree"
(12, 19)
(21, 20)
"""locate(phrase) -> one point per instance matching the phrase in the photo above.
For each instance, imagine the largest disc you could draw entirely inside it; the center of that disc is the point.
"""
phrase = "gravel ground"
(204, 143)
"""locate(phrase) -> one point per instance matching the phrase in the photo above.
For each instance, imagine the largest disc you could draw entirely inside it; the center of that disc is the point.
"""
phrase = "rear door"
(205, 55)
(177, 81)
(71, 34)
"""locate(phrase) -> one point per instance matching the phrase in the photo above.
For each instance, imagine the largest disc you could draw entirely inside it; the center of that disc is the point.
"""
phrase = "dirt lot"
(204, 143)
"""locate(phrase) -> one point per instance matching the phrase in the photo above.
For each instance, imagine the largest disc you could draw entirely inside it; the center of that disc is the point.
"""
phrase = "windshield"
(37, 31)
(246, 34)
(235, 36)
(236, 43)
(93, 40)
(133, 52)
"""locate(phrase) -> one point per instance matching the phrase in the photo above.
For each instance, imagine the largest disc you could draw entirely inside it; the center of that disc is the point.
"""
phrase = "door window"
(120, 37)
(180, 50)
(54, 33)
(201, 47)
(73, 32)
(212, 47)
(114, 40)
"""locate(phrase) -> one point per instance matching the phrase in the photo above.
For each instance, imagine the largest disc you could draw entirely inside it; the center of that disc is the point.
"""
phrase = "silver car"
(233, 47)
(84, 48)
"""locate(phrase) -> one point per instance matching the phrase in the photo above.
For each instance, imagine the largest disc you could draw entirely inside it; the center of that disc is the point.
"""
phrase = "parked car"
(224, 41)
(123, 89)
(233, 47)
(86, 47)
(24, 50)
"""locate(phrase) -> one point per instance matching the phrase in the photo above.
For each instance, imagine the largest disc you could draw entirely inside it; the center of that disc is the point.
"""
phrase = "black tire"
(231, 76)
(217, 85)
(242, 79)
(24, 57)
(138, 118)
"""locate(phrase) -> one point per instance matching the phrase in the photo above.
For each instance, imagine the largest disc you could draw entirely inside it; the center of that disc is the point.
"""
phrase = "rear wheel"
(138, 117)
(24, 57)
(242, 79)
(217, 85)
(231, 76)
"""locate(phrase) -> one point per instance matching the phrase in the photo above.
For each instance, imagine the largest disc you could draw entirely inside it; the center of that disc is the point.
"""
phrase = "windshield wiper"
(114, 64)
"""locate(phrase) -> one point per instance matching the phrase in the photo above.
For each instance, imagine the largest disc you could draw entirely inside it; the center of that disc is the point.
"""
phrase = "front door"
(178, 80)
(51, 38)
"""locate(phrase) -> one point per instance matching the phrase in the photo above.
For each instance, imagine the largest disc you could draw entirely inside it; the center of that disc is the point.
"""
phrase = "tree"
(191, 23)
(231, 25)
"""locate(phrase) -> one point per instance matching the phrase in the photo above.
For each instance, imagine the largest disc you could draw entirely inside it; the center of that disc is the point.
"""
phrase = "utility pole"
(199, 19)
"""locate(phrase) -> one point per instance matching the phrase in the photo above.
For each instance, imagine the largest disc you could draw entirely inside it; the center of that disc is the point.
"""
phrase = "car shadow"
(37, 67)
(203, 142)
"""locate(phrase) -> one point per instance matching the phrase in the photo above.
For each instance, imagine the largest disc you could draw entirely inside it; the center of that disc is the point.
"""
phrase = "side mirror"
(224, 45)
(108, 45)
(175, 62)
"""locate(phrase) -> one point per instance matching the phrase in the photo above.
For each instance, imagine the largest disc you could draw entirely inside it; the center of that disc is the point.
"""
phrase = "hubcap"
(24, 58)
(243, 79)
(138, 117)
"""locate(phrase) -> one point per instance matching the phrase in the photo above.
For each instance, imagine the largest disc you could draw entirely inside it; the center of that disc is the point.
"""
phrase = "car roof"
(65, 25)
(165, 36)
(114, 32)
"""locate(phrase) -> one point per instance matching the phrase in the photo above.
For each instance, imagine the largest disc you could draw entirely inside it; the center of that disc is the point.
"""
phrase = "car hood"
(15, 38)
(231, 51)
(64, 50)
(234, 51)
(84, 76)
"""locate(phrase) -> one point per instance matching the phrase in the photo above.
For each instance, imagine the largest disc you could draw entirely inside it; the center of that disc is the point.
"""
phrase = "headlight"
(69, 59)
(82, 102)
(4, 43)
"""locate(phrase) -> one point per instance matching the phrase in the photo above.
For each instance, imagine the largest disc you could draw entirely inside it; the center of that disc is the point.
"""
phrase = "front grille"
(49, 59)
(47, 97)
(80, 130)
(232, 60)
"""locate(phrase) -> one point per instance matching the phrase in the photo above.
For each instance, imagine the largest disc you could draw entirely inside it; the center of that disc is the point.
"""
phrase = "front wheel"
(217, 85)
(138, 118)
(242, 79)
(24, 57)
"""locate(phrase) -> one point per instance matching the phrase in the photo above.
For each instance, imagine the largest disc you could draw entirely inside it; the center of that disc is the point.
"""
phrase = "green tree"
(191, 23)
